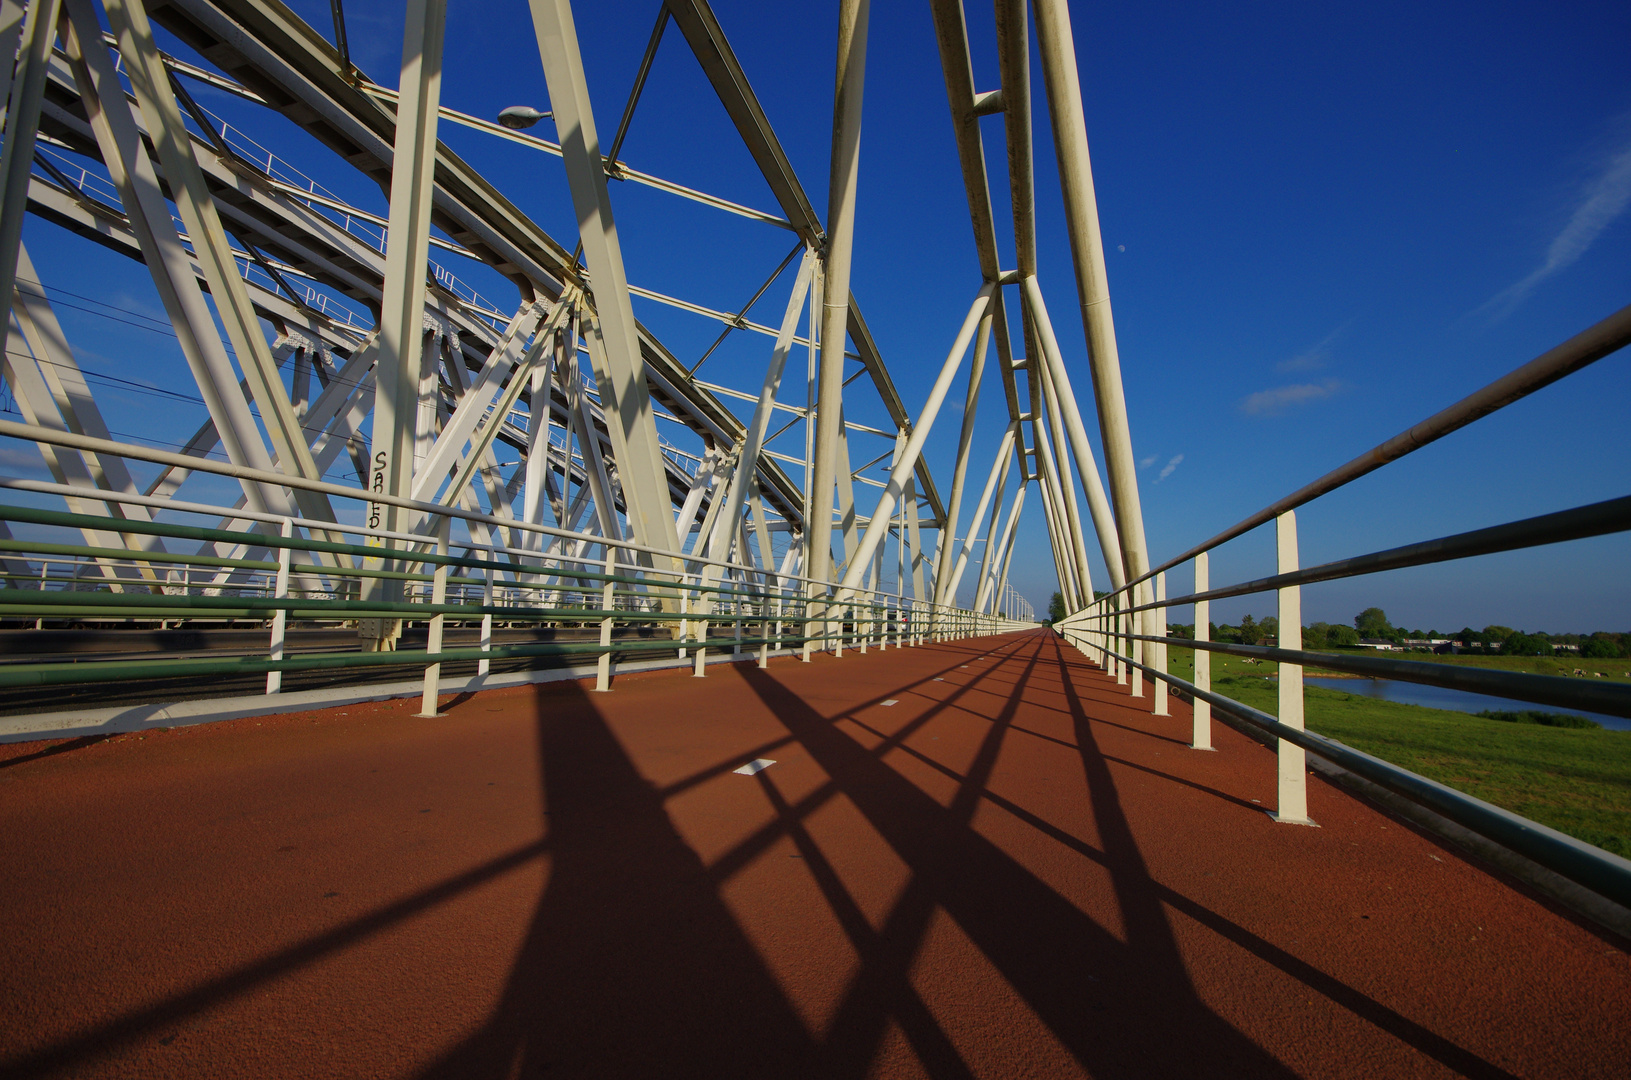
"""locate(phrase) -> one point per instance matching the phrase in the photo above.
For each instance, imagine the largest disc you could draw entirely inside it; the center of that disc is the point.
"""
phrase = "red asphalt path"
(1013, 870)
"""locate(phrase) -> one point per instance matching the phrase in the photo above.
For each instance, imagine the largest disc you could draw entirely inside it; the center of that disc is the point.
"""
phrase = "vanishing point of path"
(972, 859)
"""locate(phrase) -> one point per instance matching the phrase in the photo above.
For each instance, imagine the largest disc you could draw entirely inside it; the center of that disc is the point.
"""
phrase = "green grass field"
(1576, 781)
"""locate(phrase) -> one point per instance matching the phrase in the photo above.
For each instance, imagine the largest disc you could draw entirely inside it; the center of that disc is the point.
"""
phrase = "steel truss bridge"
(427, 477)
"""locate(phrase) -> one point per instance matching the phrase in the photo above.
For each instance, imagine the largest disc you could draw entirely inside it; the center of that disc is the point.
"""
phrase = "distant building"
(1379, 644)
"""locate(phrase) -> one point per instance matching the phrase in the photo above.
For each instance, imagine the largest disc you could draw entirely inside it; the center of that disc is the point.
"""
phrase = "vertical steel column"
(620, 374)
(846, 164)
(428, 699)
(1058, 53)
(1202, 737)
(13, 15)
(1292, 802)
(811, 377)
(22, 124)
(407, 252)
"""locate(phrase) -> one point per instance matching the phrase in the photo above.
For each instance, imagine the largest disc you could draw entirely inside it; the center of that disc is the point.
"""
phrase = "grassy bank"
(1618, 670)
(1576, 781)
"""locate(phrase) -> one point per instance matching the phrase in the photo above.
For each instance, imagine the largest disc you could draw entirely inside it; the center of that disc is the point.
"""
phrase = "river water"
(1440, 697)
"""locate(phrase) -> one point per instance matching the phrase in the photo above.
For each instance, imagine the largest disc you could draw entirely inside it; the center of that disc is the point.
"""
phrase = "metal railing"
(1109, 628)
(547, 579)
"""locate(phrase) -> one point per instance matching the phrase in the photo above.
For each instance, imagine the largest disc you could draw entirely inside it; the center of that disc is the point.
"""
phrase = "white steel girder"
(620, 371)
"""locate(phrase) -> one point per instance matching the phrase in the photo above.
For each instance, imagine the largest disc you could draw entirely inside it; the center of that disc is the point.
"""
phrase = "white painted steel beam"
(1057, 48)
(914, 443)
(401, 338)
(621, 382)
(23, 91)
(843, 180)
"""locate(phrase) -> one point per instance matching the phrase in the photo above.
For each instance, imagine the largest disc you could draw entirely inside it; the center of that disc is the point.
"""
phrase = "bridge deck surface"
(976, 858)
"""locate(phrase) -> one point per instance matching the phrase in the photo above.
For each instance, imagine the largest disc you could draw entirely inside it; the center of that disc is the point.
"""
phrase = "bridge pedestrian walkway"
(978, 858)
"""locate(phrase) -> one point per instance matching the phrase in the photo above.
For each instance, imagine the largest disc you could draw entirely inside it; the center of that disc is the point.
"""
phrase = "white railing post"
(736, 624)
(1121, 639)
(685, 609)
(1135, 649)
(807, 598)
(1201, 739)
(486, 666)
(603, 665)
(1292, 801)
(704, 607)
(280, 618)
(433, 642)
(780, 629)
(1160, 620)
(764, 624)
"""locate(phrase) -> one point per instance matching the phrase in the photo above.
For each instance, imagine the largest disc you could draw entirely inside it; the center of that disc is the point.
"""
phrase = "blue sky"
(1324, 225)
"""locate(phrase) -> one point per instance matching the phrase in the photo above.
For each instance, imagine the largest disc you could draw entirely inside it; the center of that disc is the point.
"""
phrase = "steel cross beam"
(287, 64)
(700, 27)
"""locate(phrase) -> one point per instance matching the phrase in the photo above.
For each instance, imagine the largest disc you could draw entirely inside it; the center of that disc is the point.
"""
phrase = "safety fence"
(73, 568)
(1109, 628)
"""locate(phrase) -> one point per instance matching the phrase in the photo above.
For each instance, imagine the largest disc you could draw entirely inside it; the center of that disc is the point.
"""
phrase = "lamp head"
(517, 117)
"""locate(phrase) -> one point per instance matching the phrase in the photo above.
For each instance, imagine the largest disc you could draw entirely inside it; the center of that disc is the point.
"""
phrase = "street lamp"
(517, 117)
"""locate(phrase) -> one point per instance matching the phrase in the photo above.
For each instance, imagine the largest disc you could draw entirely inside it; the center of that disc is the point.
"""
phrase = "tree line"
(1372, 624)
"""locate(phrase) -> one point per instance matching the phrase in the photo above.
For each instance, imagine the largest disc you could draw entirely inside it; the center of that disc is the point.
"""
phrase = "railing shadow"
(633, 965)
(1141, 895)
(1116, 1007)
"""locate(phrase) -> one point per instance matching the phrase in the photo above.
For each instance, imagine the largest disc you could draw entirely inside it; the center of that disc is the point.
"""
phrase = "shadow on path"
(633, 965)
(1123, 1010)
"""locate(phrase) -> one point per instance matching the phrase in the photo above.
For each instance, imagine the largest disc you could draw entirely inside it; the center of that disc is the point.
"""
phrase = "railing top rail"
(1601, 871)
(109, 446)
(1581, 350)
(1596, 519)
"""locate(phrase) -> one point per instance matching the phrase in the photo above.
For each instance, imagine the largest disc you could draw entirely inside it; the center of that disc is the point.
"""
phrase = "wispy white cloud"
(1279, 399)
(1314, 358)
(1170, 467)
(1144, 463)
(1602, 200)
